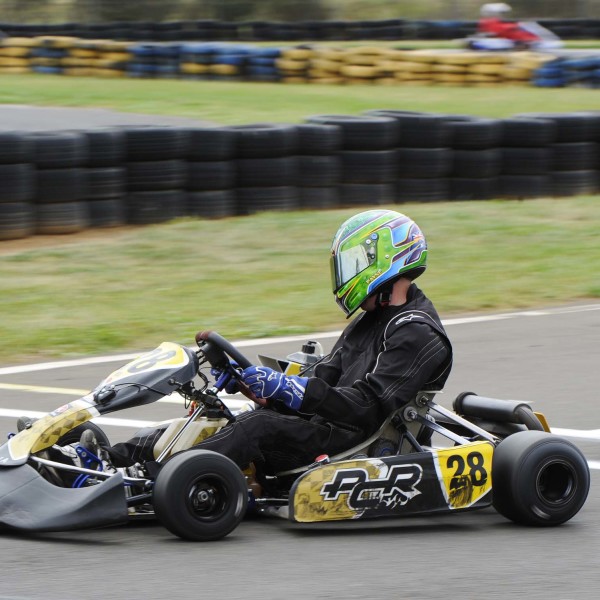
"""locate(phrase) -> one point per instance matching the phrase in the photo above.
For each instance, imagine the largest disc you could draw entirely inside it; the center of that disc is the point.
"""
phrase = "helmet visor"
(348, 263)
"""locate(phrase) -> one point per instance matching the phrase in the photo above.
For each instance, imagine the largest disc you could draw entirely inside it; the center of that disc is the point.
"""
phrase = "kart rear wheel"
(539, 479)
(200, 495)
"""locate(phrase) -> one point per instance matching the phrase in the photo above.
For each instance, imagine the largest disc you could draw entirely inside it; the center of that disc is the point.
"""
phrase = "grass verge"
(247, 102)
(268, 274)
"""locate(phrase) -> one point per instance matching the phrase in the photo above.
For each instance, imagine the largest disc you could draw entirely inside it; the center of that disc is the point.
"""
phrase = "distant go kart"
(494, 452)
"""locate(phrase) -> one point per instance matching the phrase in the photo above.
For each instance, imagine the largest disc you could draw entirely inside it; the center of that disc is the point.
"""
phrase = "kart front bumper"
(28, 502)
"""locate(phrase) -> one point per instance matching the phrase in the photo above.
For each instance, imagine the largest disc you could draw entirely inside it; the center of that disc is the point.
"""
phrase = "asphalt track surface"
(20, 117)
(549, 356)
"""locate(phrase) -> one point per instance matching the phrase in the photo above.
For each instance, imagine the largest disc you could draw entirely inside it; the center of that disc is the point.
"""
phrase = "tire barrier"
(265, 31)
(67, 181)
(222, 61)
(564, 72)
(156, 174)
(267, 168)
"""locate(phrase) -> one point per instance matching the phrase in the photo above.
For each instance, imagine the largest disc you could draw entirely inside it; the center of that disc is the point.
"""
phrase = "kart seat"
(388, 432)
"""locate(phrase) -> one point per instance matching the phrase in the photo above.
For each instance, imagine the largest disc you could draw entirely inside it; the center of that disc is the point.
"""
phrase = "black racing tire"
(60, 149)
(73, 436)
(251, 200)
(472, 133)
(319, 171)
(576, 156)
(61, 185)
(62, 217)
(362, 132)
(370, 166)
(156, 175)
(211, 204)
(258, 172)
(570, 127)
(211, 175)
(424, 163)
(265, 140)
(526, 161)
(15, 147)
(519, 187)
(156, 143)
(106, 182)
(473, 188)
(200, 495)
(540, 479)
(574, 183)
(16, 220)
(107, 212)
(367, 194)
(212, 144)
(486, 162)
(106, 147)
(319, 197)
(433, 189)
(18, 182)
(417, 129)
(147, 208)
(314, 139)
(522, 132)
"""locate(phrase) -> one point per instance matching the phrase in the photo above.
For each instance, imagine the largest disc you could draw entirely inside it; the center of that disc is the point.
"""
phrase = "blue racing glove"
(272, 385)
(232, 386)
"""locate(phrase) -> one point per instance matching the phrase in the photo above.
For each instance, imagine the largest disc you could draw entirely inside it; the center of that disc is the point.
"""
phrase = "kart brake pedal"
(88, 459)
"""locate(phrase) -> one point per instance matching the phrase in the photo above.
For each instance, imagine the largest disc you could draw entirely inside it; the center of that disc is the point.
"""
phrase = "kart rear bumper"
(28, 502)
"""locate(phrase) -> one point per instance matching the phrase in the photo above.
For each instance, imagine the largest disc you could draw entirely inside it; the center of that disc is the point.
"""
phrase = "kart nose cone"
(29, 502)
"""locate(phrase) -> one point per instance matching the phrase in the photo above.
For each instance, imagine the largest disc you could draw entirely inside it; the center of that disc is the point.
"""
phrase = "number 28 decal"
(474, 465)
(465, 473)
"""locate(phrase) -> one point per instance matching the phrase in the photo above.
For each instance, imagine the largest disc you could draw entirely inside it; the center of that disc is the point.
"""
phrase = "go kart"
(424, 459)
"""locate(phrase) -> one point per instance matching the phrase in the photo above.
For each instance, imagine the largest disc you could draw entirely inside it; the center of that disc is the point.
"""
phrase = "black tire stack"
(267, 167)
(368, 158)
(526, 157)
(424, 159)
(476, 158)
(319, 165)
(17, 190)
(61, 188)
(574, 155)
(211, 173)
(156, 173)
(107, 177)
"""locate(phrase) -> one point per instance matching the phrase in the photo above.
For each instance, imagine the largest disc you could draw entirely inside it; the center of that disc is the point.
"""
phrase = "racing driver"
(395, 348)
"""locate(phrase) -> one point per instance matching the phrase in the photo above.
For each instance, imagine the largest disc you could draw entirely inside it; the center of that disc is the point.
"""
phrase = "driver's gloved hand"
(272, 385)
(232, 386)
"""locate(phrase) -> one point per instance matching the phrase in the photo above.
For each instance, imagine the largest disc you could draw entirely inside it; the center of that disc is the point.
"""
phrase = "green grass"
(242, 103)
(268, 274)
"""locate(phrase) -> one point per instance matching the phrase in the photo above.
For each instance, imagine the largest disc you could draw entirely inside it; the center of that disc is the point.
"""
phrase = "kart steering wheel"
(217, 349)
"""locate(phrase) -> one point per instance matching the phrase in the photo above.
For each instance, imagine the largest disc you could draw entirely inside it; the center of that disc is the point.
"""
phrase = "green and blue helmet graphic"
(370, 249)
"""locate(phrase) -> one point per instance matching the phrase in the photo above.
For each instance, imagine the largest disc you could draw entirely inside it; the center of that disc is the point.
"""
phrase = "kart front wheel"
(539, 479)
(200, 495)
(74, 435)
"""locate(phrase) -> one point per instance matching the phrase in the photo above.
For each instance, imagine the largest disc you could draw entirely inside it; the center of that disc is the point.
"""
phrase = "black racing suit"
(379, 363)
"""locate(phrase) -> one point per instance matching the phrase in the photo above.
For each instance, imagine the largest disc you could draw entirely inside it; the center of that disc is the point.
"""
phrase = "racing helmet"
(495, 9)
(372, 249)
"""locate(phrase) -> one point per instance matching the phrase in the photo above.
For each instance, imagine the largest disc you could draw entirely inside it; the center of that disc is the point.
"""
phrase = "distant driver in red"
(495, 32)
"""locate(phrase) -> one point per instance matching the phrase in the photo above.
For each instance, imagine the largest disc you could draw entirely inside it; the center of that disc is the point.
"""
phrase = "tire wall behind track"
(269, 31)
(314, 63)
(68, 181)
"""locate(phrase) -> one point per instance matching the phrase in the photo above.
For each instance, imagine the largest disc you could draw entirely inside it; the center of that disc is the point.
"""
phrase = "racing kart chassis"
(48, 482)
